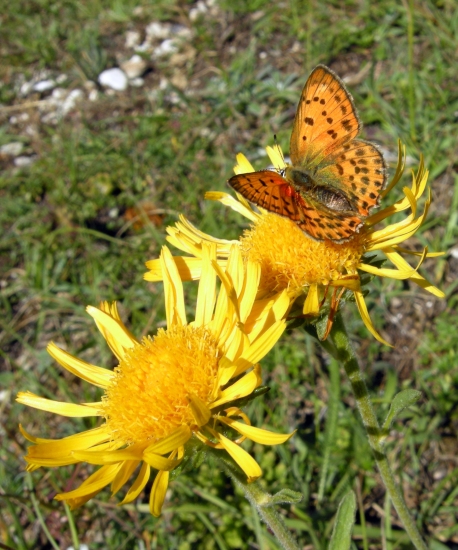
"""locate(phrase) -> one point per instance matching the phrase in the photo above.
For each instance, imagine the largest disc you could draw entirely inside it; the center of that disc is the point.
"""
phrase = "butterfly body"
(334, 179)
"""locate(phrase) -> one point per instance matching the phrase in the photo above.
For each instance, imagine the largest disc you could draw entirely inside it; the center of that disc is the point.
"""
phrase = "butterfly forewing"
(268, 190)
(325, 119)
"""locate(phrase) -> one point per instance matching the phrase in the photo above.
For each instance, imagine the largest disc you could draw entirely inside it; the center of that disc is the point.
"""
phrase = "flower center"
(148, 396)
(290, 259)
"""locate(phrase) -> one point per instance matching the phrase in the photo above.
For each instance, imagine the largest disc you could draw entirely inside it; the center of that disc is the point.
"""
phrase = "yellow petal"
(243, 387)
(127, 469)
(243, 165)
(241, 206)
(276, 156)
(206, 297)
(90, 373)
(246, 462)
(400, 263)
(158, 492)
(173, 290)
(185, 227)
(115, 333)
(366, 318)
(92, 485)
(46, 448)
(138, 485)
(159, 462)
(399, 169)
(94, 456)
(189, 269)
(248, 293)
(262, 345)
(265, 437)
(200, 411)
(312, 302)
(174, 440)
(58, 407)
(391, 273)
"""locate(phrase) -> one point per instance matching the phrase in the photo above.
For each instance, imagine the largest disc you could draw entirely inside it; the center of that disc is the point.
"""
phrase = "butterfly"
(334, 179)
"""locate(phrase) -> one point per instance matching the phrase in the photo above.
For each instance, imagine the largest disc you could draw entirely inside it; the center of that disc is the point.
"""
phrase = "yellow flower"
(292, 261)
(178, 385)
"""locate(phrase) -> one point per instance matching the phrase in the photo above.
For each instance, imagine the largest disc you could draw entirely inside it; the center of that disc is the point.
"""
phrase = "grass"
(67, 241)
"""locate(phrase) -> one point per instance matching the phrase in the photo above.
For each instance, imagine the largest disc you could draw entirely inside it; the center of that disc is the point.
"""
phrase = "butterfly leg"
(336, 296)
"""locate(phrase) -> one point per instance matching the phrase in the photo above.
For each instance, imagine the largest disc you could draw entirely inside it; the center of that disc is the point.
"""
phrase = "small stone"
(12, 149)
(26, 88)
(454, 253)
(71, 100)
(137, 82)
(115, 79)
(44, 86)
(93, 95)
(158, 31)
(134, 67)
(22, 162)
(61, 78)
(166, 47)
(132, 39)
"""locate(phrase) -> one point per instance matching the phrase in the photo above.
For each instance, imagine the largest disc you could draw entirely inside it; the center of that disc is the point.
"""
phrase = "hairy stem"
(342, 351)
(259, 499)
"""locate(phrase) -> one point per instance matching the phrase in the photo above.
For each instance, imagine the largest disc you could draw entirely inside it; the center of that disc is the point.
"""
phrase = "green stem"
(342, 351)
(259, 499)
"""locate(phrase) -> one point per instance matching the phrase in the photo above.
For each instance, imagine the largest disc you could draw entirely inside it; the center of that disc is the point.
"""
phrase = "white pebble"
(166, 47)
(115, 79)
(12, 149)
(134, 66)
(132, 39)
(22, 162)
(44, 85)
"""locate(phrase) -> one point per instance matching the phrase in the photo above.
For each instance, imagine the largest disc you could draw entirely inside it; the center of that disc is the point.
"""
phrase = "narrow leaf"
(343, 526)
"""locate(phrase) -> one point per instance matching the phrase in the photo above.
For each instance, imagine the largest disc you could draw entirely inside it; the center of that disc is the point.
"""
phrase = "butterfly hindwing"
(358, 170)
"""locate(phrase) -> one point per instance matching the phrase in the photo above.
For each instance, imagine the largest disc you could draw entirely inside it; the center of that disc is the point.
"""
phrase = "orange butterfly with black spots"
(334, 179)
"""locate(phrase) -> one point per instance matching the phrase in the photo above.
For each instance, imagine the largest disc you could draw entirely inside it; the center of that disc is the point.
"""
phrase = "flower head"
(182, 383)
(293, 262)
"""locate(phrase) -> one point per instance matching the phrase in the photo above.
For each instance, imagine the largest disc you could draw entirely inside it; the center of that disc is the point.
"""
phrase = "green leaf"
(285, 496)
(343, 526)
(401, 401)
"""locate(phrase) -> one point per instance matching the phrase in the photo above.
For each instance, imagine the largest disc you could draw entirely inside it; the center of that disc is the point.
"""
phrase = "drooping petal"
(246, 462)
(312, 302)
(158, 492)
(91, 486)
(138, 485)
(127, 469)
(390, 273)
(418, 279)
(258, 435)
(362, 308)
(200, 410)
